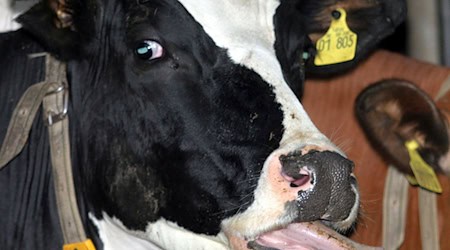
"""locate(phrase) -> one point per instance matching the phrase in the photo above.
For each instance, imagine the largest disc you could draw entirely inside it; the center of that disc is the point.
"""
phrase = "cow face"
(393, 112)
(185, 116)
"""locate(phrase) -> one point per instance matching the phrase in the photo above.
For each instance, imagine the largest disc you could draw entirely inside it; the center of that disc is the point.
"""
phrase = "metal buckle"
(56, 117)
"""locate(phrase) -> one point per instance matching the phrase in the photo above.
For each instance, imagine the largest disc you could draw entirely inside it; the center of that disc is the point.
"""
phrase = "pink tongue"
(306, 236)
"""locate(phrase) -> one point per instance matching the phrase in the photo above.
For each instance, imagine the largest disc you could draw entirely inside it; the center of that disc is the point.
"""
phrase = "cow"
(186, 129)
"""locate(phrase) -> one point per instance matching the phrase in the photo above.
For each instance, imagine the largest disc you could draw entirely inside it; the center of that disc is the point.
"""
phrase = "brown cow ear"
(370, 20)
(392, 112)
(60, 25)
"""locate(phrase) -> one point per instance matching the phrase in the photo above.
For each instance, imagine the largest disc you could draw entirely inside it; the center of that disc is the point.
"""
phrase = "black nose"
(332, 193)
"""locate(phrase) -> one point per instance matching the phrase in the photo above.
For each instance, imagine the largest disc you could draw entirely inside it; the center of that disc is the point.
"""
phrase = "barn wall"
(423, 30)
(444, 7)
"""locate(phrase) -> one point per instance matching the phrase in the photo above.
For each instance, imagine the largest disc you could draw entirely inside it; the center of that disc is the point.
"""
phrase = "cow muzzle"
(310, 184)
(324, 185)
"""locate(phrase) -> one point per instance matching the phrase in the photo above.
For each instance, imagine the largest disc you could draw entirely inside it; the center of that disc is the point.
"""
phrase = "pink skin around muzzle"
(294, 236)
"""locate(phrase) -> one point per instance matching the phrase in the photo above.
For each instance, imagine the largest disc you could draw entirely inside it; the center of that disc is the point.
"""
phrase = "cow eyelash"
(148, 50)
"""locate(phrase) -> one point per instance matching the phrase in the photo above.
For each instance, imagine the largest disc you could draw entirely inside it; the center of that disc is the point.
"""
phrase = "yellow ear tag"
(412, 180)
(424, 173)
(338, 44)
(84, 245)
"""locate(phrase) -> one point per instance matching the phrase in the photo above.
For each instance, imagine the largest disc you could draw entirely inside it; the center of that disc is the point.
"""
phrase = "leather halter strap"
(53, 94)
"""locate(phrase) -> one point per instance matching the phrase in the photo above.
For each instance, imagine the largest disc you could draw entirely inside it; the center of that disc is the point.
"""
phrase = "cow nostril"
(300, 181)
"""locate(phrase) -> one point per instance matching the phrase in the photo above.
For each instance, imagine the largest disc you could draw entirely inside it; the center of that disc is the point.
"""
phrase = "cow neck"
(52, 93)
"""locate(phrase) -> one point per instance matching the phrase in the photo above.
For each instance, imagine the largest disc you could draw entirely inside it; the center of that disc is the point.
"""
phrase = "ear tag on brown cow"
(412, 180)
(338, 44)
(424, 173)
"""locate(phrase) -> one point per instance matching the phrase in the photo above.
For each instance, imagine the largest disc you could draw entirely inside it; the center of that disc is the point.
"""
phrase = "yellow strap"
(85, 245)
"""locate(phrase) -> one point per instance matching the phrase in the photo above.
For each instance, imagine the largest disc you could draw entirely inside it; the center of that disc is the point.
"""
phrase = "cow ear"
(392, 112)
(370, 20)
(61, 26)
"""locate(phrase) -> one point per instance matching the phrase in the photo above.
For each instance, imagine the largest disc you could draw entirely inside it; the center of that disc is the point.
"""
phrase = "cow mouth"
(304, 236)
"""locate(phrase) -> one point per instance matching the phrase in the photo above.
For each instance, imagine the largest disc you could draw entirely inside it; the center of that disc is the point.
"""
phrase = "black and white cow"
(185, 126)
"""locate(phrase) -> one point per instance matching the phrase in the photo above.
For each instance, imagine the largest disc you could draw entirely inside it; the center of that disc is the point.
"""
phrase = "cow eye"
(148, 50)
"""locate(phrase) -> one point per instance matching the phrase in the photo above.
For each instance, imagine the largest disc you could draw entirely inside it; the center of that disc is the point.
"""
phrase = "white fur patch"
(115, 236)
(9, 10)
(159, 235)
(172, 236)
(245, 28)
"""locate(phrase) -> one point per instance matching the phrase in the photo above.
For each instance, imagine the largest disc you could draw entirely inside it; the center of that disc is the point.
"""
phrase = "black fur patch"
(191, 129)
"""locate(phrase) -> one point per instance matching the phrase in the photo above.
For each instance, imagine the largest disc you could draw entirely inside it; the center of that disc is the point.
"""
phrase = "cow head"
(393, 112)
(185, 114)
